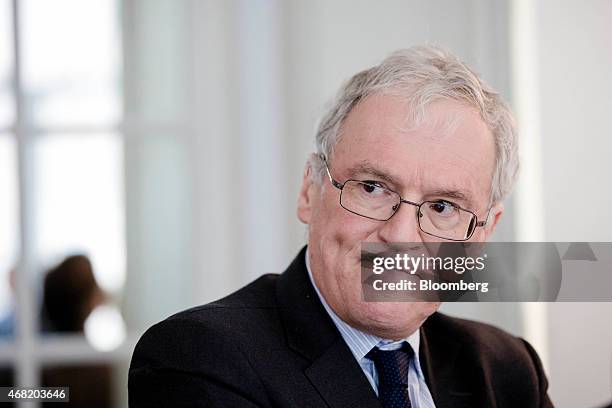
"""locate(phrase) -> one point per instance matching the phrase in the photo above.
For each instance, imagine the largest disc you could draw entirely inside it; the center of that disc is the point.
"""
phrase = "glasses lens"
(369, 200)
(444, 220)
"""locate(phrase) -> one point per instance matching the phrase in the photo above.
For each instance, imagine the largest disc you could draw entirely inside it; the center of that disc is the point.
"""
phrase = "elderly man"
(422, 132)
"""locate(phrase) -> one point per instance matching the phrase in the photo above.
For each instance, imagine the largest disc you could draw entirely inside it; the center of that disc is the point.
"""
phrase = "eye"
(372, 187)
(443, 208)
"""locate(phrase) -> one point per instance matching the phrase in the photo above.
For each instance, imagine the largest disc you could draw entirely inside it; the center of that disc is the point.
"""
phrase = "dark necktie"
(392, 369)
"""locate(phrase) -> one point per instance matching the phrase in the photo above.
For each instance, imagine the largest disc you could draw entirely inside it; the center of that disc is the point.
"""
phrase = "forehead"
(450, 148)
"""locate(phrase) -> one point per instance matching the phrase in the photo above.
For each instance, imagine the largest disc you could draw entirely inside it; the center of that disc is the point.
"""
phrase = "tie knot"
(392, 365)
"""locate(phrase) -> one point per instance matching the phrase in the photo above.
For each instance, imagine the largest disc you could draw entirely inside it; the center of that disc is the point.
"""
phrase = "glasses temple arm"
(331, 179)
(483, 223)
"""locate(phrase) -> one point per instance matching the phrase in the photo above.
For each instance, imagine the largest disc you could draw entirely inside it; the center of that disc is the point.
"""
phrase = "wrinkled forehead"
(399, 111)
(448, 145)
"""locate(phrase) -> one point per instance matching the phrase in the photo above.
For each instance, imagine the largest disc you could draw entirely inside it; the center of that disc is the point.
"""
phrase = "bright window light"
(7, 103)
(9, 217)
(78, 194)
(71, 57)
(105, 328)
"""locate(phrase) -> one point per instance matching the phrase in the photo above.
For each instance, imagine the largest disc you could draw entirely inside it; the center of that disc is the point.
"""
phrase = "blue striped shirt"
(361, 343)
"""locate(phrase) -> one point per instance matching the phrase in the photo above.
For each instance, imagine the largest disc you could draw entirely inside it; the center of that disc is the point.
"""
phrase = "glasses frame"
(340, 186)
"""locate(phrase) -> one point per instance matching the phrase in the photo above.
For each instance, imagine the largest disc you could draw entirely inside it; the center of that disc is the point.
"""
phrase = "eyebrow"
(368, 168)
(456, 194)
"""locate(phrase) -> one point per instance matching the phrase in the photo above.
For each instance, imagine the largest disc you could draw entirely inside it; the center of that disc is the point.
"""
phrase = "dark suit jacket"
(271, 344)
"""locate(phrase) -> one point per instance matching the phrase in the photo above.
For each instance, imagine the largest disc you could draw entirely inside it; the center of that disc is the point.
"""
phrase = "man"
(422, 128)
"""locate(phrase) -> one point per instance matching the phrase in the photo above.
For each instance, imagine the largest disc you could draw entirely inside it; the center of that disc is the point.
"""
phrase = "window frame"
(27, 352)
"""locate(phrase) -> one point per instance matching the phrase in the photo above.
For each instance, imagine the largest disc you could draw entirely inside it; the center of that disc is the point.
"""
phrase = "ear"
(306, 195)
(494, 216)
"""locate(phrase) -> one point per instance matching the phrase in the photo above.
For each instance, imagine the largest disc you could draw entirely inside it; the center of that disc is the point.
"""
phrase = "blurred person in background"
(70, 294)
(7, 322)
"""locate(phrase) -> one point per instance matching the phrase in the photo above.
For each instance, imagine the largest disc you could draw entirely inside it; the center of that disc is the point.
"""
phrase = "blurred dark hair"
(70, 293)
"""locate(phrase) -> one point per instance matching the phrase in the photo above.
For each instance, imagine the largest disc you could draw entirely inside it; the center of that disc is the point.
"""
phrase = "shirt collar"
(359, 342)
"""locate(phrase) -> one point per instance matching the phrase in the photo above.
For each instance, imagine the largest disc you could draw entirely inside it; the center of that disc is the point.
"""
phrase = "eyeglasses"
(439, 218)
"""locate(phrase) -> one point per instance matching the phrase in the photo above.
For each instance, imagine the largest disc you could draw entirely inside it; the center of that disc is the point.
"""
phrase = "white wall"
(575, 76)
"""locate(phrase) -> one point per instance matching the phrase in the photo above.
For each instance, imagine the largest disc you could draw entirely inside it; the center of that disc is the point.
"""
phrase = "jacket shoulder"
(257, 294)
(483, 337)
(503, 361)
(220, 325)
(201, 352)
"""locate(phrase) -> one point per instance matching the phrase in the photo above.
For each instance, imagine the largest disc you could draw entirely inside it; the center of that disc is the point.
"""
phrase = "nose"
(403, 226)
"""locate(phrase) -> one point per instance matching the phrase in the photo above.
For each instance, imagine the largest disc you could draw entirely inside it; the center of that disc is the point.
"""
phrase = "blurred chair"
(7, 331)
(6, 377)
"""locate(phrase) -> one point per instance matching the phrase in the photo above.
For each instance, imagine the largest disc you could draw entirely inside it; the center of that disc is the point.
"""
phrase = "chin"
(394, 319)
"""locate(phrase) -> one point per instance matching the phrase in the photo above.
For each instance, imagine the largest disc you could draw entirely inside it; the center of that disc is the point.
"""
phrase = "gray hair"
(426, 74)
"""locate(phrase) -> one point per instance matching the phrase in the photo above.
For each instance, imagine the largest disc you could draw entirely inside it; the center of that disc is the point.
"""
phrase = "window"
(61, 183)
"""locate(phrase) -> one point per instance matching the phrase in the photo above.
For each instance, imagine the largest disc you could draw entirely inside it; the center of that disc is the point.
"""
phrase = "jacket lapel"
(333, 370)
(439, 356)
(339, 378)
(310, 332)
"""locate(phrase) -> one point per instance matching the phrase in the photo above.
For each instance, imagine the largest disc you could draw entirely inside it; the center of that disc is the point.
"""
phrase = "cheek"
(337, 236)
(334, 224)
(341, 249)
(347, 231)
